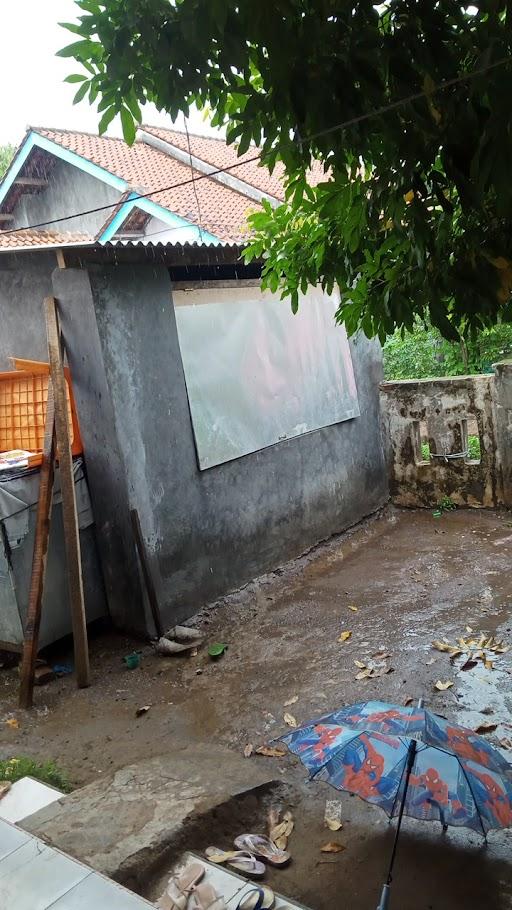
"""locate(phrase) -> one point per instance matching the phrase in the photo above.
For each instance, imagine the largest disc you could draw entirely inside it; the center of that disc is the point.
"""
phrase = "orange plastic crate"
(23, 400)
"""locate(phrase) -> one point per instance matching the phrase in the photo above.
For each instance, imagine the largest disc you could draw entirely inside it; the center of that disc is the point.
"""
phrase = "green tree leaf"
(106, 120)
(128, 124)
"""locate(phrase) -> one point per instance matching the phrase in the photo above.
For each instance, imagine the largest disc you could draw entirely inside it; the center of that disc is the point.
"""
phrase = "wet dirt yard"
(413, 579)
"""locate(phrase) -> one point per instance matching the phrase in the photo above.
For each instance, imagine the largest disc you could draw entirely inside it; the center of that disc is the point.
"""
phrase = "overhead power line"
(377, 112)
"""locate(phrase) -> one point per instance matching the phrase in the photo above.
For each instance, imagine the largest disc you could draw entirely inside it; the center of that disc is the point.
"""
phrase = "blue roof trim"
(156, 211)
(35, 140)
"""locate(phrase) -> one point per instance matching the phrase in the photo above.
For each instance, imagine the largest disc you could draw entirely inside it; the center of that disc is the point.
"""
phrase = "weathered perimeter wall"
(450, 437)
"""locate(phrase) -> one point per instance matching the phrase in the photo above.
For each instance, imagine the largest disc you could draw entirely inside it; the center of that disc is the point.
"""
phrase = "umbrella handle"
(384, 898)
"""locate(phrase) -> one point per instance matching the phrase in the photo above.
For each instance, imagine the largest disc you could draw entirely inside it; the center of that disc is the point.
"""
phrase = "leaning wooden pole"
(42, 533)
(67, 485)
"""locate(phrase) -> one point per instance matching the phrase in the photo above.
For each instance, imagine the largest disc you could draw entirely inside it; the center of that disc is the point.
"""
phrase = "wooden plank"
(42, 533)
(67, 484)
(148, 579)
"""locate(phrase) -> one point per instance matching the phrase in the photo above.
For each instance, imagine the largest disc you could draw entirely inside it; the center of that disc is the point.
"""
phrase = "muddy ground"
(413, 578)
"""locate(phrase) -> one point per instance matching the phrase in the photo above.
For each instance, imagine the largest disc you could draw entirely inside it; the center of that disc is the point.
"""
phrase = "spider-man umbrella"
(408, 761)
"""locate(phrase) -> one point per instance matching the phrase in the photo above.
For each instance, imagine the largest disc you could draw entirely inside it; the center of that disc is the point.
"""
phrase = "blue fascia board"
(156, 211)
(35, 140)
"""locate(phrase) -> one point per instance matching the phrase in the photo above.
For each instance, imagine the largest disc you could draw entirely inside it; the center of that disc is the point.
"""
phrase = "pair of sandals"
(245, 860)
(184, 892)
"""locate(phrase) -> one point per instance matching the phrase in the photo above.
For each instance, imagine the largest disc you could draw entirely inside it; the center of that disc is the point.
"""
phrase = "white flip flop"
(241, 860)
(263, 847)
(180, 887)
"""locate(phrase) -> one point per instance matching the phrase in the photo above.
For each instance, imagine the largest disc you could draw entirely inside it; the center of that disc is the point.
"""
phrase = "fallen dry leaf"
(443, 646)
(290, 720)
(408, 700)
(506, 742)
(280, 833)
(248, 750)
(12, 722)
(469, 664)
(354, 609)
(442, 686)
(431, 661)
(270, 752)
(381, 655)
(488, 664)
(345, 636)
(333, 825)
(291, 701)
(469, 629)
(332, 847)
(143, 710)
(373, 672)
(5, 786)
(360, 664)
(485, 728)
(273, 817)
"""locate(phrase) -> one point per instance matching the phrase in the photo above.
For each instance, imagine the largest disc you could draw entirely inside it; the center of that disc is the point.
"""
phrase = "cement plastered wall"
(69, 190)
(209, 532)
(206, 532)
(25, 280)
(442, 406)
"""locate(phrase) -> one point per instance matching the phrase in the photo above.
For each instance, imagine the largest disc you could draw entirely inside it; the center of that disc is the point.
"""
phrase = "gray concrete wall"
(206, 532)
(209, 532)
(69, 190)
(25, 280)
(106, 473)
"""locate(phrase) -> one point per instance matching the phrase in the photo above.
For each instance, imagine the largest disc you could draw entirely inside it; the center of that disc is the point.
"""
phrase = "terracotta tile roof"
(24, 239)
(218, 209)
(223, 210)
(214, 150)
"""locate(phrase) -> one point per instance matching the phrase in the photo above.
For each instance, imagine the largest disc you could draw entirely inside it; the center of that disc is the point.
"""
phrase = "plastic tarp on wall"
(255, 373)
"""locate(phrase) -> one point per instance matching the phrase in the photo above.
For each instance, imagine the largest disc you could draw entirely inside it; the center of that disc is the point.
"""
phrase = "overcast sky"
(32, 91)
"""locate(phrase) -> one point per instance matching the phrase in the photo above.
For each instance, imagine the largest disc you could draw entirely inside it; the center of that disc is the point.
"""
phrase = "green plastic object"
(132, 661)
(437, 514)
(216, 649)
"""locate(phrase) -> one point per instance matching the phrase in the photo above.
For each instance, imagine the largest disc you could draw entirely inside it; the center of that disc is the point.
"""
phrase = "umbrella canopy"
(456, 777)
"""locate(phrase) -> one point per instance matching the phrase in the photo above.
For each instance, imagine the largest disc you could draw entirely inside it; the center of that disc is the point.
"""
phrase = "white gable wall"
(158, 231)
(69, 191)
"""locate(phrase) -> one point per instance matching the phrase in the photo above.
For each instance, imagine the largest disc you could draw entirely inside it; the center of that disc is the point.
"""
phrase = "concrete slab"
(34, 876)
(11, 839)
(124, 824)
(26, 797)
